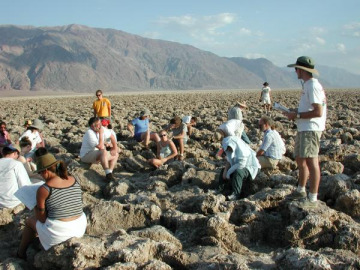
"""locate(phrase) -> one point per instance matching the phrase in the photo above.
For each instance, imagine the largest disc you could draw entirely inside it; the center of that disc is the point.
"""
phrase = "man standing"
(241, 165)
(93, 149)
(272, 148)
(12, 177)
(102, 106)
(310, 118)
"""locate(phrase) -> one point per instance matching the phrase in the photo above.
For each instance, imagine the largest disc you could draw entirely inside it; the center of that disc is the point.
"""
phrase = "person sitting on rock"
(179, 134)
(190, 122)
(93, 149)
(166, 150)
(142, 127)
(33, 133)
(12, 177)
(235, 112)
(273, 147)
(59, 212)
(242, 165)
(30, 166)
(5, 139)
(110, 140)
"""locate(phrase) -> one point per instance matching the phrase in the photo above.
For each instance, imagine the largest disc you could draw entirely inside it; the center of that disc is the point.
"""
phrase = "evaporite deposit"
(171, 218)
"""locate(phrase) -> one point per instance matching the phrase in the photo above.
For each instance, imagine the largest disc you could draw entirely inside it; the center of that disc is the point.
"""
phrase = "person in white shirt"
(93, 149)
(190, 122)
(310, 119)
(12, 177)
(242, 165)
(34, 135)
(265, 97)
(273, 147)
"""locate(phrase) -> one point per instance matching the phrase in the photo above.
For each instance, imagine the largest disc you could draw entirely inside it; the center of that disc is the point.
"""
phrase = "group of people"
(27, 160)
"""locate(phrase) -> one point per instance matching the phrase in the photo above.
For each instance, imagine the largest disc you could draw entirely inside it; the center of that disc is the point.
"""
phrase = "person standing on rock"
(272, 147)
(265, 97)
(310, 118)
(102, 106)
(242, 165)
(93, 149)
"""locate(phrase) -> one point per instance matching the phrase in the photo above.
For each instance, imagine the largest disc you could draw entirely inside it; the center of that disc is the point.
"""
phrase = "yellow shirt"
(102, 107)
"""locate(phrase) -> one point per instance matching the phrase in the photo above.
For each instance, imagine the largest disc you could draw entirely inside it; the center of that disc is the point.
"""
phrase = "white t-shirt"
(34, 137)
(312, 93)
(89, 142)
(265, 92)
(12, 177)
(107, 135)
(232, 127)
(186, 119)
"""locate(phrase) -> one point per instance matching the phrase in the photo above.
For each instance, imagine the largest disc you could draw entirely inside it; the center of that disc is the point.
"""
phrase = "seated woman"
(59, 212)
(142, 129)
(4, 136)
(235, 112)
(179, 134)
(166, 150)
(25, 147)
(34, 135)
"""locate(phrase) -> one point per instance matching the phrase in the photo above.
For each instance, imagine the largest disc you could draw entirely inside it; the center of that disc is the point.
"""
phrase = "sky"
(278, 30)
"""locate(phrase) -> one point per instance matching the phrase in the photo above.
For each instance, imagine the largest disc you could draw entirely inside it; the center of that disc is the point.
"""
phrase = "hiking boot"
(296, 195)
(109, 177)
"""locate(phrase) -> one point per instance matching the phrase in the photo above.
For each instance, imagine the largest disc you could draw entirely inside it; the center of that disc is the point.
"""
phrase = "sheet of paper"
(280, 107)
(27, 194)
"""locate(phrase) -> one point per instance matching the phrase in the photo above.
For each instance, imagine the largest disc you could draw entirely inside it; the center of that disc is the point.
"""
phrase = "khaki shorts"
(92, 156)
(307, 144)
(267, 162)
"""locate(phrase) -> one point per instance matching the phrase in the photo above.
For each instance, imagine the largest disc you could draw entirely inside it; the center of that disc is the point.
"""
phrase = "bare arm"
(260, 153)
(316, 112)
(41, 196)
(174, 152)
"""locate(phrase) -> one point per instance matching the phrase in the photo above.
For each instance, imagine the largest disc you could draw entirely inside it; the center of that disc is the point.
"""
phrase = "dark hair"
(2, 132)
(60, 169)
(25, 141)
(7, 151)
(194, 118)
(109, 126)
(98, 91)
(92, 120)
(40, 152)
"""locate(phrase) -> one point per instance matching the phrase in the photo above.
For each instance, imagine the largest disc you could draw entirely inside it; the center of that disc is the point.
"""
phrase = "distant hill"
(81, 59)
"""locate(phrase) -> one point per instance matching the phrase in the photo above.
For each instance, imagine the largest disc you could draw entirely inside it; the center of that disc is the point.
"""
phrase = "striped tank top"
(64, 202)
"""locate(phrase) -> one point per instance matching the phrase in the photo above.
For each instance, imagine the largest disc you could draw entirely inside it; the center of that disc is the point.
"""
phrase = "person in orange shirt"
(102, 106)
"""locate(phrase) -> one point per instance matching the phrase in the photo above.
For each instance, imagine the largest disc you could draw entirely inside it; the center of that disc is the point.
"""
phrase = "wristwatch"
(298, 116)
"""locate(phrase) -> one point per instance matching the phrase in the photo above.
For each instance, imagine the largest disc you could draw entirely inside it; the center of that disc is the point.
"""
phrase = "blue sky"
(279, 30)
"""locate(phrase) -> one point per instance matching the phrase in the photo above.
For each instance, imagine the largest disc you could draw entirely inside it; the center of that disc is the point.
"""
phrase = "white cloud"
(254, 55)
(153, 35)
(320, 40)
(352, 29)
(317, 30)
(341, 47)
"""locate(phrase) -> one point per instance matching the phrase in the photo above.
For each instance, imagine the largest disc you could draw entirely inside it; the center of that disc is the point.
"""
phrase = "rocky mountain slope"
(81, 59)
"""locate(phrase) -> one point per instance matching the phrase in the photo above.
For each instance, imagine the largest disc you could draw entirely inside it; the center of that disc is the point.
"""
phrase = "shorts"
(266, 100)
(177, 143)
(267, 162)
(92, 157)
(307, 144)
(137, 137)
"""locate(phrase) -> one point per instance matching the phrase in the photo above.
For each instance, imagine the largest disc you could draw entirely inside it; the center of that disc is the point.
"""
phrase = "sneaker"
(309, 204)
(296, 195)
(109, 177)
(232, 197)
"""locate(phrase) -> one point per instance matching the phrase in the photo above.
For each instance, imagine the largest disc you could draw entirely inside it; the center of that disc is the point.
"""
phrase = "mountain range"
(82, 59)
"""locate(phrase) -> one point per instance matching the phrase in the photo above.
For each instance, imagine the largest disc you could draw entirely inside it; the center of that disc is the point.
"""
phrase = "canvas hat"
(37, 124)
(145, 112)
(45, 161)
(306, 63)
(241, 104)
(105, 122)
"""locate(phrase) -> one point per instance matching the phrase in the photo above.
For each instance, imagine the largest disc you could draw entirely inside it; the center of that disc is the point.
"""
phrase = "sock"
(107, 171)
(300, 189)
(312, 197)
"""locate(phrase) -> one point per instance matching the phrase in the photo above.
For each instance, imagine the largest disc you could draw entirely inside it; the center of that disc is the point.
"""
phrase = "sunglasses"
(98, 95)
(162, 135)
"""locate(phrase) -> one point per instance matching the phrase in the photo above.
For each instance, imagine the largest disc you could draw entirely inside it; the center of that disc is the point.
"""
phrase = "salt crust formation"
(172, 217)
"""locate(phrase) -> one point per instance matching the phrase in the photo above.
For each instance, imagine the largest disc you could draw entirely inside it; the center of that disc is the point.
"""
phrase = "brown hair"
(60, 169)
(25, 141)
